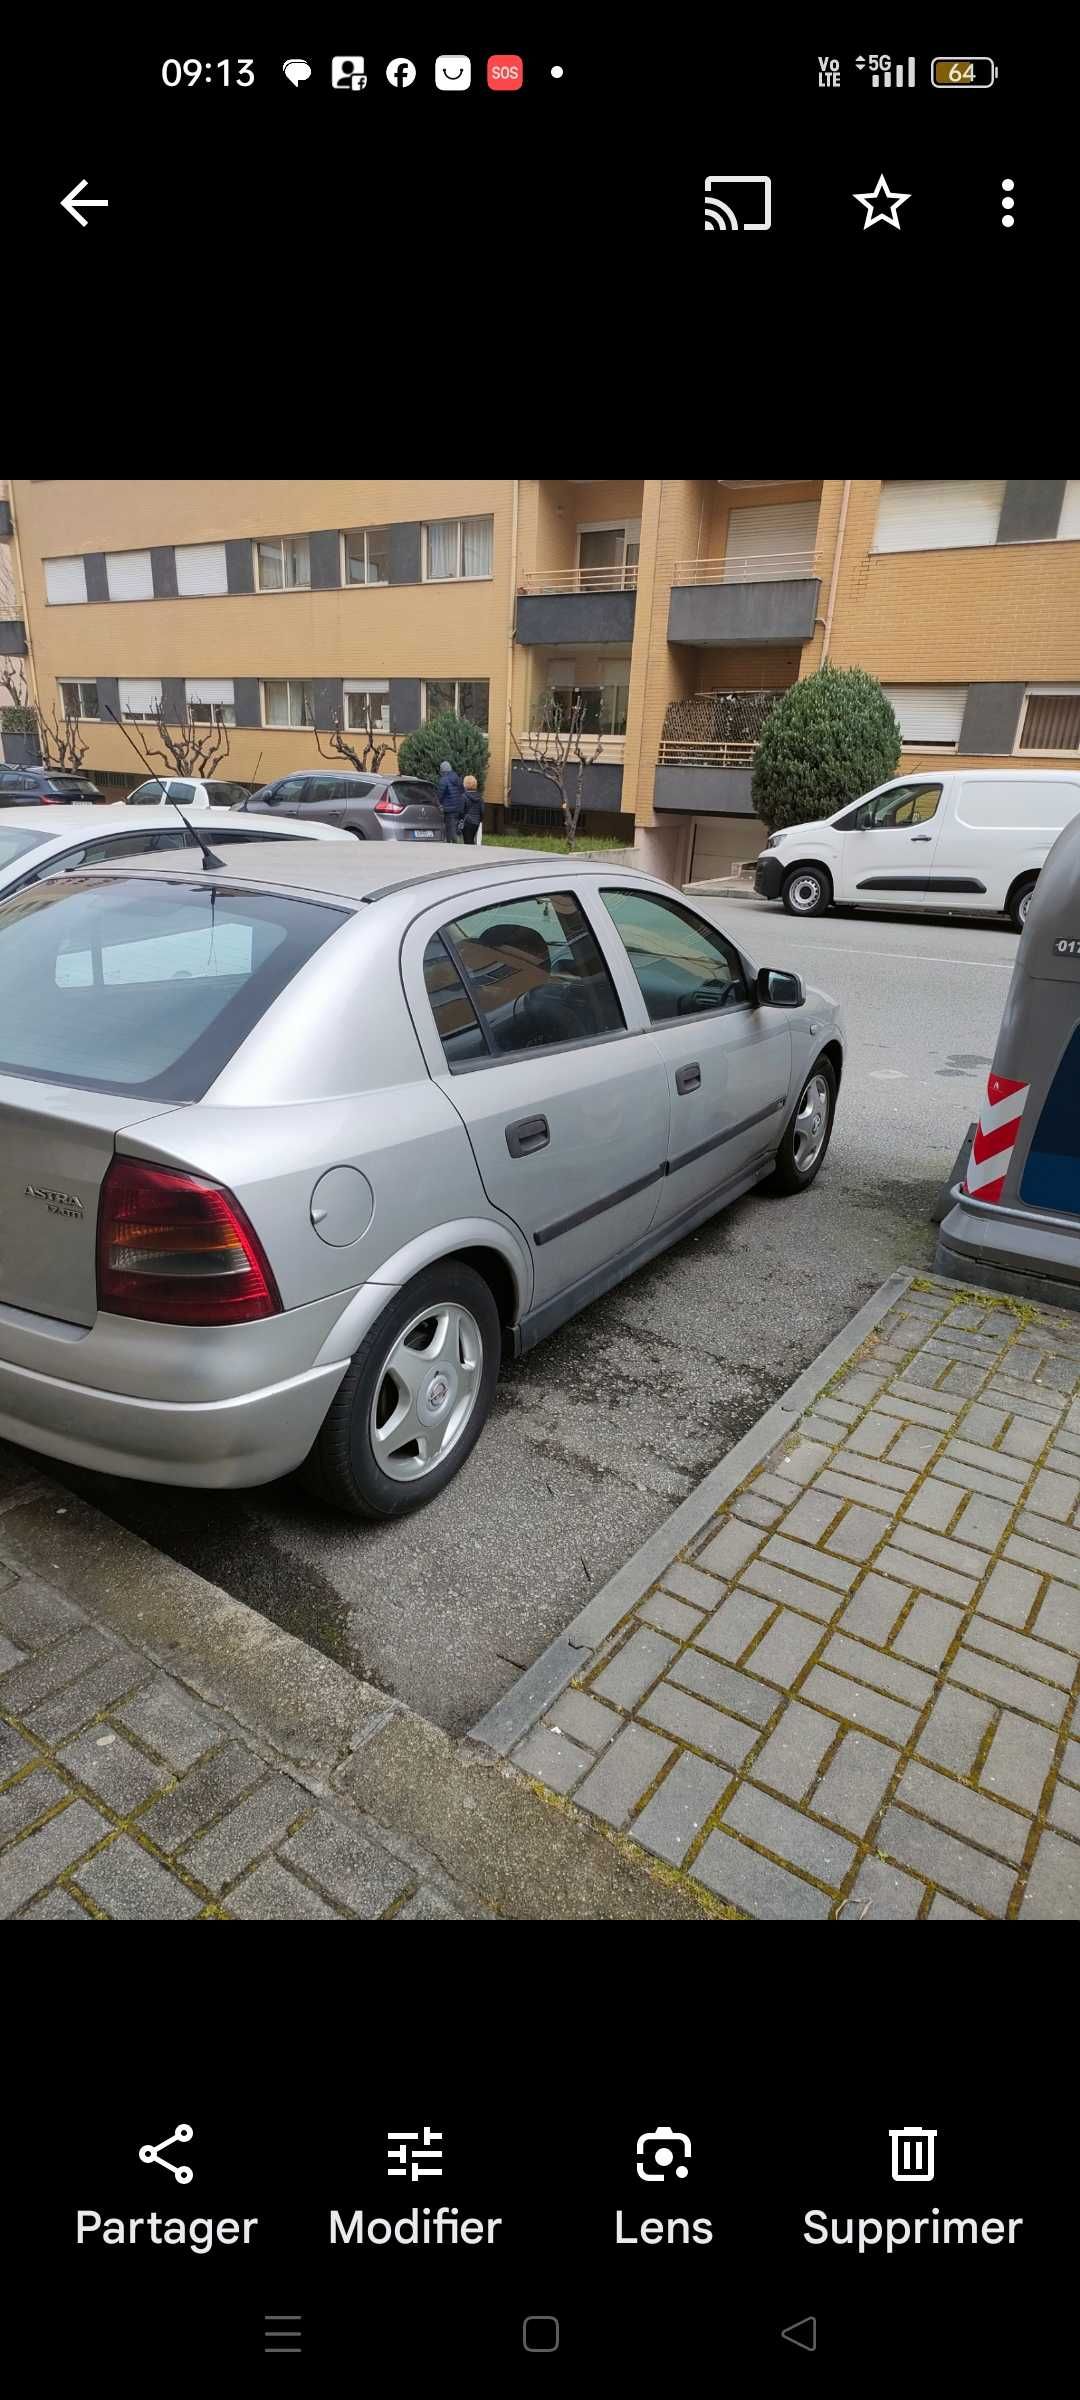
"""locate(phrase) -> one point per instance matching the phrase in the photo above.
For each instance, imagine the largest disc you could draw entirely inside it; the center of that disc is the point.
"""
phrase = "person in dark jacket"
(474, 810)
(450, 795)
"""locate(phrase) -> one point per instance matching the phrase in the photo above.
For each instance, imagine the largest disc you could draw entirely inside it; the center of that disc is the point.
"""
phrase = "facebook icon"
(400, 72)
(347, 75)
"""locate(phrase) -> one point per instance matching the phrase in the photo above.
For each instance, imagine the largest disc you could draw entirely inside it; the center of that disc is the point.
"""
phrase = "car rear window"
(15, 841)
(128, 985)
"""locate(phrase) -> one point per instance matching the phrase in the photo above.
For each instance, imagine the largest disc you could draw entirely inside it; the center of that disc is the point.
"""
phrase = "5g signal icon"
(746, 208)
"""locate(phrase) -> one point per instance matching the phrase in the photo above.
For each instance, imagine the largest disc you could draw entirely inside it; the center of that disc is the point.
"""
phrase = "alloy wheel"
(811, 1123)
(426, 1392)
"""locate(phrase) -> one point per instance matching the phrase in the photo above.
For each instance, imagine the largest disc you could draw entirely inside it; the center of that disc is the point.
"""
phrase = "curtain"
(477, 546)
(442, 550)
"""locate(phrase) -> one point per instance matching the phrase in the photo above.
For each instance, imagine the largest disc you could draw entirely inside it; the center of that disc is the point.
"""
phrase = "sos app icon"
(505, 73)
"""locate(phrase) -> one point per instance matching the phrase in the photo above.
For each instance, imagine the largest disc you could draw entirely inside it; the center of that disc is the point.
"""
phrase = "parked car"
(191, 791)
(33, 847)
(377, 808)
(966, 839)
(291, 1152)
(45, 787)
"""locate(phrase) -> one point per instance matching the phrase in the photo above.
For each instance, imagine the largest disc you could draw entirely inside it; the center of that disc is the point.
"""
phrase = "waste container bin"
(1014, 1223)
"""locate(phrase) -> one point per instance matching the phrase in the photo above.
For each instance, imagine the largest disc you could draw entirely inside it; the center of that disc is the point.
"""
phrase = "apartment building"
(676, 610)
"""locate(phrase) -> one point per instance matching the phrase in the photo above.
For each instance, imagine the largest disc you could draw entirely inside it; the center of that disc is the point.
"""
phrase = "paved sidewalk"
(851, 1693)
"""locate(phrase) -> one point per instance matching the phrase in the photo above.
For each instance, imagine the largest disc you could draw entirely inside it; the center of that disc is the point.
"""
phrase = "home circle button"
(342, 1206)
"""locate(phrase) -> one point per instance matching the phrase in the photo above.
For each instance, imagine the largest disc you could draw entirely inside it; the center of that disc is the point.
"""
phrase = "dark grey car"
(376, 808)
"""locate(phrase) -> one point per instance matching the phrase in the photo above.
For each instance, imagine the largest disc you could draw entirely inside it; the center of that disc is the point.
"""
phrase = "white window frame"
(218, 586)
(457, 681)
(295, 725)
(379, 689)
(120, 599)
(378, 585)
(79, 683)
(143, 714)
(216, 693)
(277, 589)
(474, 517)
(1044, 691)
(70, 599)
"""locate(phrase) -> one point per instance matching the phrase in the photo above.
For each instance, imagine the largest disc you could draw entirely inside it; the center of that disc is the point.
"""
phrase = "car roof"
(980, 775)
(362, 871)
(89, 817)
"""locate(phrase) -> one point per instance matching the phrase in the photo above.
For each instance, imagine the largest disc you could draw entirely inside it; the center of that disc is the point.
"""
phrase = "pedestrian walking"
(450, 795)
(472, 824)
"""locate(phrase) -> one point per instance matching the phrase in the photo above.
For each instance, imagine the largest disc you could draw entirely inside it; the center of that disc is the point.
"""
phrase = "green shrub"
(447, 736)
(831, 738)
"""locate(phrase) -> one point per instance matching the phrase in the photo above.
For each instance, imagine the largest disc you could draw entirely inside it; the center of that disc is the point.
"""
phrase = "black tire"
(341, 1468)
(788, 1176)
(807, 891)
(1018, 901)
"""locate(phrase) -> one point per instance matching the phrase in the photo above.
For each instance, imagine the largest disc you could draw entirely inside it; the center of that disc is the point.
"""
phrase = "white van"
(972, 841)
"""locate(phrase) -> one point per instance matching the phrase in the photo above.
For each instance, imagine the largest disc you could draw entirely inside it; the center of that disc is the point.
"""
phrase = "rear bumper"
(250, 1438)
(1010, 1250)
(768, 875)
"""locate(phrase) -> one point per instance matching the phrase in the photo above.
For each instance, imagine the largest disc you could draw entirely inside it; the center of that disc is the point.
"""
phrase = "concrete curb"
(505, 1725)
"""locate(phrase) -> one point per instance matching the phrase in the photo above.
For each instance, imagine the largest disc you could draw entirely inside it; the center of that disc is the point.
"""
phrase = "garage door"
(720, 843)
(785, 532)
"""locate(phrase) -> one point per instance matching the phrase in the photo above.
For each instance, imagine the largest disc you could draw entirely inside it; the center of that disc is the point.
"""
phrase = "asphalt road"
(598, 1433)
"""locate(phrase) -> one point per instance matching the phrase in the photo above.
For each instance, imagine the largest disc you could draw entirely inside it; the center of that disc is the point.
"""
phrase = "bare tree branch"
(375, 742)
(186, 747)
(558, 745)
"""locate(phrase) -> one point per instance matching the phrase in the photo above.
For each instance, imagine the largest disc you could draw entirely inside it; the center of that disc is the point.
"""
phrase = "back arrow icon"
(76, 193)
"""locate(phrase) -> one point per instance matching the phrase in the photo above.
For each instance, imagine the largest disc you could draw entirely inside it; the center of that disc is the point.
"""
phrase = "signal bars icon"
(884, 74)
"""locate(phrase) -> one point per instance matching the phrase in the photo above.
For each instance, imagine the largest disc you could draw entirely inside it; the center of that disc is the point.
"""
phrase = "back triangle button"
(804, 2334)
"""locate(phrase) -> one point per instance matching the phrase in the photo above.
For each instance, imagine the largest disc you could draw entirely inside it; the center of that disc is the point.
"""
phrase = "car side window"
(684, 967)
(534, 974)
(456, 1021)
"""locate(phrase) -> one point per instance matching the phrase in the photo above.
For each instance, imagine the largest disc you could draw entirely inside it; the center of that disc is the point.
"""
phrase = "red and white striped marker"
(996, 1132)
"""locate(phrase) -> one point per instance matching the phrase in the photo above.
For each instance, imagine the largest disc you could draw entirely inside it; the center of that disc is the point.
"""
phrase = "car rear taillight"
(178, 1251)
(389, 808)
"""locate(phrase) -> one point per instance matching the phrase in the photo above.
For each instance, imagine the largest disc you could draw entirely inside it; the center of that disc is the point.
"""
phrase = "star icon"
(881, 205)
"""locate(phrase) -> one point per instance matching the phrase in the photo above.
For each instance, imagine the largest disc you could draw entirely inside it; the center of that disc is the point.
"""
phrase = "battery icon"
(960, 74)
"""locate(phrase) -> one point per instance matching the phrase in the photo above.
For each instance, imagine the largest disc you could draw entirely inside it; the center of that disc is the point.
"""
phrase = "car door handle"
(688, 1079)
(922, 837)
(530, 1133)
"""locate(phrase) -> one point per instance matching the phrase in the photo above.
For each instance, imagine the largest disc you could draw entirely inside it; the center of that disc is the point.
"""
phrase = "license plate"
(422, 837)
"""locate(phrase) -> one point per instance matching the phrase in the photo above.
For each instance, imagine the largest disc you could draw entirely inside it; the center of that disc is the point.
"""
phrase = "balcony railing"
(779, 566)
(583, 579)
(715, 729)
(603, 750)
(706, 754)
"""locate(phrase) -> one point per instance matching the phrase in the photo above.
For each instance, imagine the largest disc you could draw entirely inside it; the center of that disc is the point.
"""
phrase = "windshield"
(128, 985)
(15, 842)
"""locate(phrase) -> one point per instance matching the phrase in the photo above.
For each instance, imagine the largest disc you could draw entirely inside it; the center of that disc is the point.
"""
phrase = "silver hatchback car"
(292, 1151)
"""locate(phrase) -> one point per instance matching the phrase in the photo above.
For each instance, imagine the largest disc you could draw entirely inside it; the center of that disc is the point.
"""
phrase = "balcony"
(707, 751)
(717, 602)
(577, 605)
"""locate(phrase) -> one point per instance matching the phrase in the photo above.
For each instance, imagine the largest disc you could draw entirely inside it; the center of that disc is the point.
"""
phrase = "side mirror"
(777, 989)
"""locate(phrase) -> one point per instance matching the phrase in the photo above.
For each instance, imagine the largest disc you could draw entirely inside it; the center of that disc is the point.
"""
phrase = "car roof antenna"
(209, 857)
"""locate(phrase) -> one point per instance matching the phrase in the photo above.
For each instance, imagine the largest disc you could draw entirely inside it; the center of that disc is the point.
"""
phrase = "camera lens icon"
(660, 2152)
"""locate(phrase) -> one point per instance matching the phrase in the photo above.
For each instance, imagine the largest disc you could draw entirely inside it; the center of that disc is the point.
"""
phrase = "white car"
(190, 791)
(967, 839)
(36, 842)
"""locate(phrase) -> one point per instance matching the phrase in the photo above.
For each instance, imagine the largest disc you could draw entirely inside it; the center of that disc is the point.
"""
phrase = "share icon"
(152, 2157)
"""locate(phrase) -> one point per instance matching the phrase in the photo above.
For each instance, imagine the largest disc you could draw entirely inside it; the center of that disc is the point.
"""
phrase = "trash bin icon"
(912, 2153)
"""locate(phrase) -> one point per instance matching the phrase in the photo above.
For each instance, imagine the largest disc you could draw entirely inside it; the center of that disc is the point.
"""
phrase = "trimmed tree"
(828, 740)
(445, 736)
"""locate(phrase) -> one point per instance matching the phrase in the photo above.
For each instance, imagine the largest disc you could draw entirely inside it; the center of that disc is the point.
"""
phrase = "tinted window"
(404, 788)
(683, 966)
(145, 795)
(325, 791)
(281, 795)
(144, 986)
(455, 1017)
(534, 974)
(907, 804)
(14, 843)
(356, 787)
(181, 791)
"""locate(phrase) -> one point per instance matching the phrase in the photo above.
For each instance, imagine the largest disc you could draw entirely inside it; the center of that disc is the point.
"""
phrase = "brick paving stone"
(878, 1471)
(670, 1616)
(748, 1881)
(916, 1408)
(854, 1785)
(9, 1656)
(1009, 1594)
(1054, 1495)
(811, 1516)
(1064, 1455)
(812, 1598)
(734, 1624)
(858, 1533)
(202, 1794)
(673, 1818)
(1041, 1557)
(853, 1487)
(972, 1815)
(783, 1651)
(723, 1685)
(1061, 1374)
(64, 1712)
(1070, 1765)
(23, 1802)
(252, 1826)
(923, 1372)
(881, 1893)
(797, 1558)
(793, 1754)
(730, 1548)
(114, 1770)
(1011, 1471)
(908, 1566)
(799, 1462)
(1020, 1401)
(686, 1582)
(874, 1608)
(32, 1614)
(41, 1857)
(985, 1424)
(755, 1510)
(975, 1479)
(552, 1759)
(796, 1838)
(1053, 1886)
(1061, 1538)
(955, 1730)
(862, 1385)
(638, 1664)
(169, 1721)
(583, 1720)
(879, 1668)
(270, 1891)
(1005, 1684)
(51, 1669)
(776, 1487)
(969, 1874)
(982, 1522)
(912, 1446)
(933, 1506)
(1065, 1810)
(873, 1436)
(945, 1549)
(1018, 1650)
(941, 1906)
(425, 1904)
(928, 1630)
(15, 1750)
(625, 1772)
(1024, 1438)
(362, 1877)
(128, 1884)
(858, 1706)
(57, 1904)
(816, 1428)
(692, 1721)
(841, 1412)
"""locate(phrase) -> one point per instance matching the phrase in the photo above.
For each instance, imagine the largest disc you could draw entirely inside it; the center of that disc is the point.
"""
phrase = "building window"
(288, 703)
(65, 580)
(201, 568)
(129, 575)
(211, 700)
(367, 554)
(608, 556)
(283, 563)
(1050, 720)
(140, 696)
(458, 550)
(367, 707)
(603, 705)
(929, 715)
(464, 699)
(938, 516)
(79, 699)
